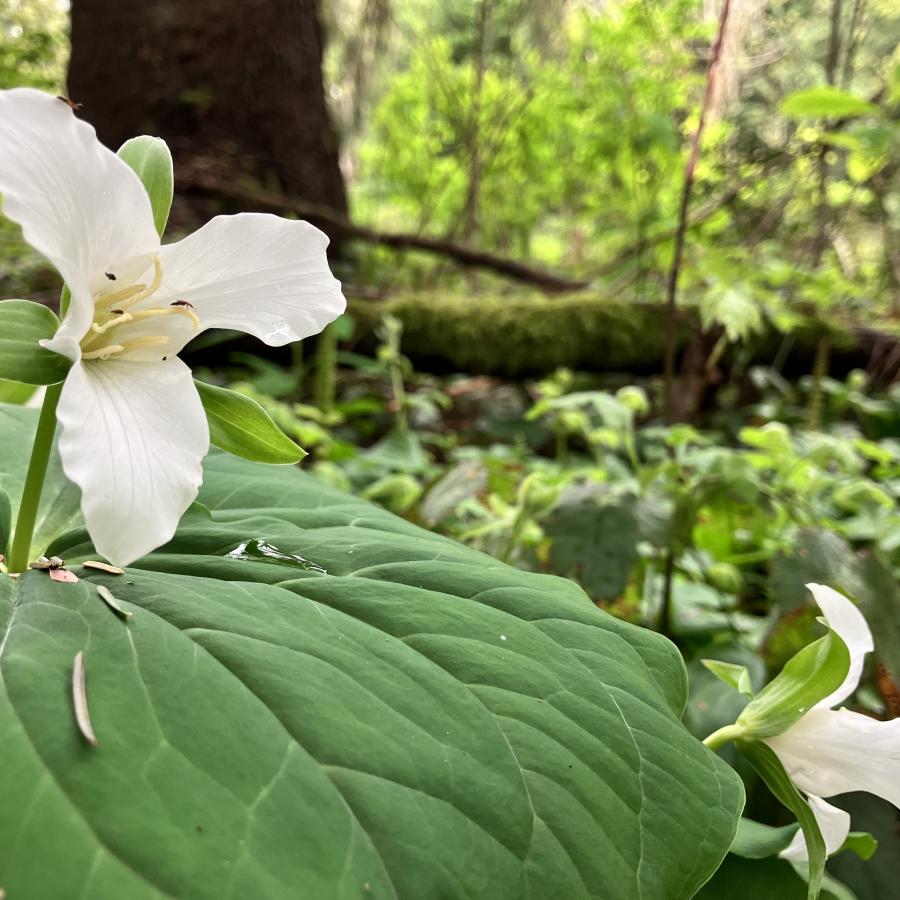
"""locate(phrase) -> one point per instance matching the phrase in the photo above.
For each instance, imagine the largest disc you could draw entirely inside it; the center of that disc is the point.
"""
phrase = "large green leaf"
(315, 699)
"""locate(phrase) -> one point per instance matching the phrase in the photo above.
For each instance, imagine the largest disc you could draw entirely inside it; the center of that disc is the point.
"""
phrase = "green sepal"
(861, 843)
(22, 325)
(732, 674)
(242, 427)
(768, 766)
(151, 160)
(808, 677)
(757, 841)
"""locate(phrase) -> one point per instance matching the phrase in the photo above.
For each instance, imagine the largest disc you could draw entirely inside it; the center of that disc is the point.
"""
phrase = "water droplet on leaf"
(260, 550)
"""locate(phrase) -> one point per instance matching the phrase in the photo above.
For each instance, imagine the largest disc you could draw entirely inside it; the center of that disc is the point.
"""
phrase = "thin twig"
(675, 271)
(340, 226)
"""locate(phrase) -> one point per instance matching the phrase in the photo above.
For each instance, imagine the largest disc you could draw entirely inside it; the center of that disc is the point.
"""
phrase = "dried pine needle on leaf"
(79, 698)
(106, 595)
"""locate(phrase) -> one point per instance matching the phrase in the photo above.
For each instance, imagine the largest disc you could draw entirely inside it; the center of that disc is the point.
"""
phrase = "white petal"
(830, 752)
(134, 435)
(834, 824)
(850, 625)
(256, 273)
(77, 202)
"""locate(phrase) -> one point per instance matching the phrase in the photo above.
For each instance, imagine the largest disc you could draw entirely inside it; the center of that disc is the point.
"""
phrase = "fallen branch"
(341, 227)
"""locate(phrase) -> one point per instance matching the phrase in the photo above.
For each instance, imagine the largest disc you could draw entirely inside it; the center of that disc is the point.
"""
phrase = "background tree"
(234, 88)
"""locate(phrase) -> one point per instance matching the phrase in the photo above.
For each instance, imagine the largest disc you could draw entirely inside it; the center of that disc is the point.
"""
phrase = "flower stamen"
(166, 311)
(119, 318)
(138, 343)
(153, 287)
(123, 296)
(103, 352)
(110, 313)
(129, 296)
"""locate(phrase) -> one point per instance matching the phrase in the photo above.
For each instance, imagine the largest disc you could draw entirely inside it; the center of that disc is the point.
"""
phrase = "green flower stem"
(20, 548)
(724, 735)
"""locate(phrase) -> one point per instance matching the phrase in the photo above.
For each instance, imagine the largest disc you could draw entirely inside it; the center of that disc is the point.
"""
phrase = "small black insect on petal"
(110, 276)
(70, 103)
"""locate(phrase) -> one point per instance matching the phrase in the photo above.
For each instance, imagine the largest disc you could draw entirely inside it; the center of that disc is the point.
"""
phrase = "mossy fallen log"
(529, 334)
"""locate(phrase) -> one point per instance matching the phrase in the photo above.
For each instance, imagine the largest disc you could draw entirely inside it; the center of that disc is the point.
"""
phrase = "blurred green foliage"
(33, 43)
(33, 53)
(571, 121)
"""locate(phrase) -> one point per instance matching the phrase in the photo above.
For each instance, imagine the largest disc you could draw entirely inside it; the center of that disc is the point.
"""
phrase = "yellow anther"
(112, 323)
(103, 352)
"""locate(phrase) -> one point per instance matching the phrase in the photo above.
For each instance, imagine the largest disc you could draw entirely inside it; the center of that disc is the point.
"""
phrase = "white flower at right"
(828, 751)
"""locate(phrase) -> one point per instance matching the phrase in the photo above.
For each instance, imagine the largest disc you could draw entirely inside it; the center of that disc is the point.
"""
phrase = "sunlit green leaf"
(825, 102)
(735, 310)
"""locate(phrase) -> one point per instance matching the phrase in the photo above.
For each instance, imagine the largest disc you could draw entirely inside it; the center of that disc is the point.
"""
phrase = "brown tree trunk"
(235, 88)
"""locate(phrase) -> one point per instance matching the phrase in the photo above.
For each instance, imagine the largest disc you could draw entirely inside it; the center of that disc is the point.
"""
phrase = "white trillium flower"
(827, 751)
(134, 432)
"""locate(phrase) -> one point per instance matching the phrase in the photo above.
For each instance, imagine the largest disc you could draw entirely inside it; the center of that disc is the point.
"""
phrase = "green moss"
(516, 335)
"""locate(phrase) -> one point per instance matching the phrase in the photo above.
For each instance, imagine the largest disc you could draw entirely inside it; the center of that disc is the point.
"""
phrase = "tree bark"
(234, 88)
